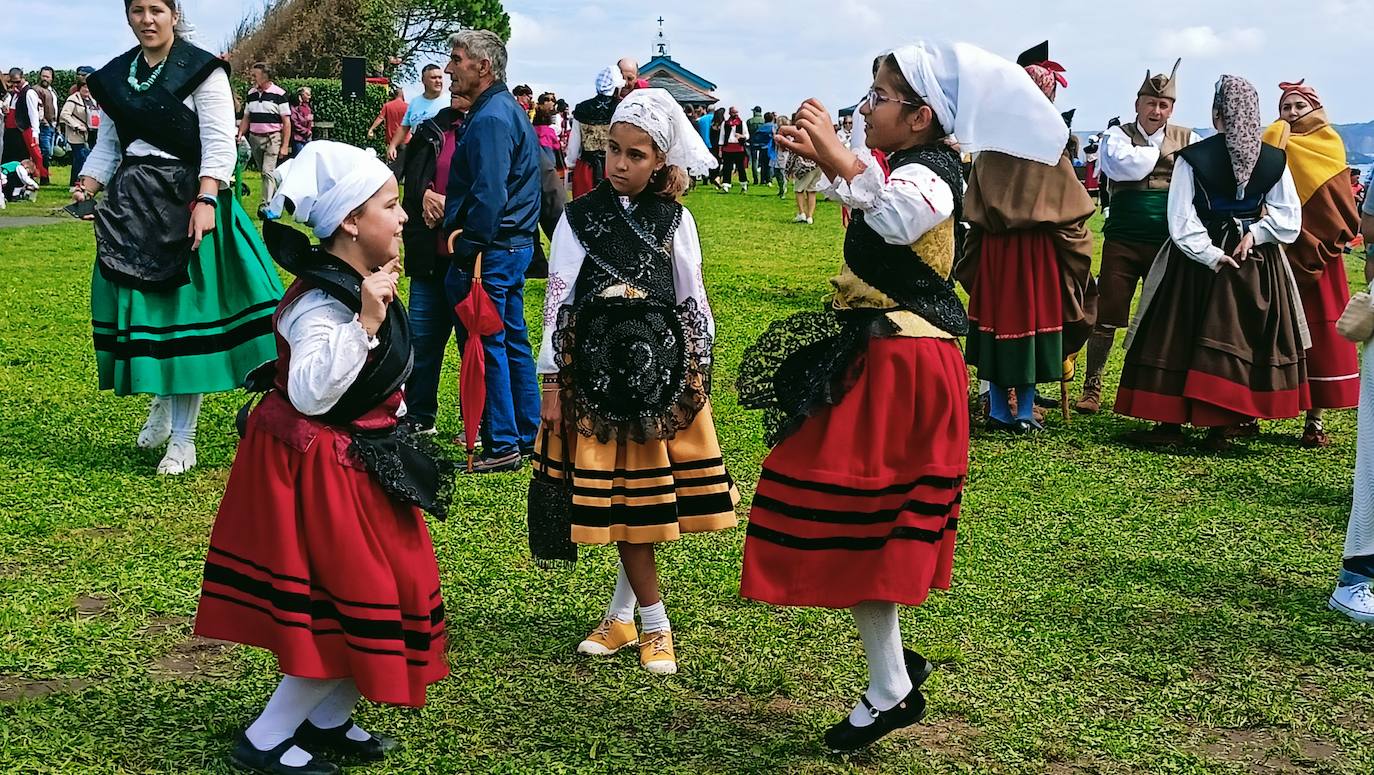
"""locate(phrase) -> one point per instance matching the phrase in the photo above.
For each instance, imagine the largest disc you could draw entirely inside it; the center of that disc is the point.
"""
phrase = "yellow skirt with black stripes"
(642, 493)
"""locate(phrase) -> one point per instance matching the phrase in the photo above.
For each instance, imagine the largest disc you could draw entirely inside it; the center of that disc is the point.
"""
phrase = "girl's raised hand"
(379, 289)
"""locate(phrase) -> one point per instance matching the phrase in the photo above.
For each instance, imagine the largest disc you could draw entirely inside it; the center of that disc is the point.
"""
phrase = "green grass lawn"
(1113, 610)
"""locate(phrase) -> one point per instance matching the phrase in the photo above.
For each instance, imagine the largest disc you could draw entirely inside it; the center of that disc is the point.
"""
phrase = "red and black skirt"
(1217, 348)
(1333, 366)
(861, 502)
(1015, 310)
(311, 559)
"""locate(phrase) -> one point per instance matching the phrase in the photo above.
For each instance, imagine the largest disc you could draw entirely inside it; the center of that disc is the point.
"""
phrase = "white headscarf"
(326, 182)
(656, 112)
(985, 101)
(609, 81)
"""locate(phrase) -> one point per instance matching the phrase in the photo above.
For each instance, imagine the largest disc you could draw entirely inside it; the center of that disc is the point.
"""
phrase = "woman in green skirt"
(183, 289)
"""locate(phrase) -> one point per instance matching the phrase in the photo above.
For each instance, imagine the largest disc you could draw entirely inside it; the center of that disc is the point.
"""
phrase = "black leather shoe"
(246, 757)
(917, 667)
(844, 736)
(337, 742)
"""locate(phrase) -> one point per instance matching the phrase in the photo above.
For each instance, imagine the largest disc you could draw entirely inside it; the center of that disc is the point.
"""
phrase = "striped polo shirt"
(266, 109)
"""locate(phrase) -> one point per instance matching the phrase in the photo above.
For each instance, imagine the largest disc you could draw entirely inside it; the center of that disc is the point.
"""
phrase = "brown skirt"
(1215, 348)
(643, 493)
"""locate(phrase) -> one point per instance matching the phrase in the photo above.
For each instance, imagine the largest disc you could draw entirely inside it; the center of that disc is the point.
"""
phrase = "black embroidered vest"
(630, 246)
(158, 116)
(895, 269)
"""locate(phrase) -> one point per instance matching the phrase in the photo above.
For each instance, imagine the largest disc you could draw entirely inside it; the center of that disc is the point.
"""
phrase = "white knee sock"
(336, 709)
(185, 413)
(290, 704)
(888, 682)
(622, 607)
(654, 618)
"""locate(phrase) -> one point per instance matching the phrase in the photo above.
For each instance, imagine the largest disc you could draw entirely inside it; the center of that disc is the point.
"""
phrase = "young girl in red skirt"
(320, 553)
(626, 367)
(866, 401)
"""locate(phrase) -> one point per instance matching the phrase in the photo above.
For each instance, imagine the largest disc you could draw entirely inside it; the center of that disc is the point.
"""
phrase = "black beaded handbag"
(548, 510)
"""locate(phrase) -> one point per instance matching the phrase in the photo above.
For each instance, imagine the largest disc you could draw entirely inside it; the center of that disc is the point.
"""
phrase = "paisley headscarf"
(1308, 93)
(1237, 102)
(1049, 76)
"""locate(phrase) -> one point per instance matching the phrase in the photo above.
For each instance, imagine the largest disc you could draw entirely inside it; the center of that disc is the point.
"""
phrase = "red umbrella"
(480, 317)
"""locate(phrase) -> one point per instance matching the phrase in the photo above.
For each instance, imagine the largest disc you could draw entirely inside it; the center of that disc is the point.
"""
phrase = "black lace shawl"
(630, 369)
(810, 360)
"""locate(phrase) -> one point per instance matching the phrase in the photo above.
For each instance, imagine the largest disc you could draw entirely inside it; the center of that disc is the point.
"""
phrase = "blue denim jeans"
(512, 412)
(79, 153)
(47, 135)
(431, 326)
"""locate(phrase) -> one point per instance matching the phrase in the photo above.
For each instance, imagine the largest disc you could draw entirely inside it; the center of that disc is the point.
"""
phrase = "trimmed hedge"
(351, 117)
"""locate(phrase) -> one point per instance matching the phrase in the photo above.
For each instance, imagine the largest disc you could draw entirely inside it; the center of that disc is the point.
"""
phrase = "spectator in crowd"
(629, 71)
(751, 125)
(302, 120)
(525, 96)
(75, 121)
(266, 123)
(493, 196)
(717, 129)
(47, 129)
(761, 149)
(553, 193)
(23, 117)
(421, 109)
(734, 158)
(563, 123)
(390, 117)
(777, 156)
(427, 162)
(81, 73)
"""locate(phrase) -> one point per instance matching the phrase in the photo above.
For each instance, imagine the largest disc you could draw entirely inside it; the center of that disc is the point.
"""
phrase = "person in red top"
(629, 70)
(393, 113)
(732, 151)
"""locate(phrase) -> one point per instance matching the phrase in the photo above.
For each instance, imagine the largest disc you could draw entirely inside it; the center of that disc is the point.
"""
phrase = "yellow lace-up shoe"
(656, 652)
(609, 637)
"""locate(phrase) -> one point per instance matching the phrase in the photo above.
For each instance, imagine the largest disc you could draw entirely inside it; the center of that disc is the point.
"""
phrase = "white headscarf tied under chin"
(985, 101)
(658, 114)
(326, 182)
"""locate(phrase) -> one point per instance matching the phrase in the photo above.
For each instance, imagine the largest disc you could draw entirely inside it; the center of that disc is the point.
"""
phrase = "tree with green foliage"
(308, 38)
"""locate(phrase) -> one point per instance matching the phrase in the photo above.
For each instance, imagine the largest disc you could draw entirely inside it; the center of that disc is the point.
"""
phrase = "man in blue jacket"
(493, 196)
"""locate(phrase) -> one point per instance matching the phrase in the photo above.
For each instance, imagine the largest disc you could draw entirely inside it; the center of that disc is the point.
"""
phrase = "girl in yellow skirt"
(626, 369)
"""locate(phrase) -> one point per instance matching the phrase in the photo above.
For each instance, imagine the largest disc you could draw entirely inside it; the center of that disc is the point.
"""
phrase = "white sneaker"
(1355, 601)
(744, 188)
(725, 187)
(180, 458)
(799, 219)
(158, 428)
(810, 220)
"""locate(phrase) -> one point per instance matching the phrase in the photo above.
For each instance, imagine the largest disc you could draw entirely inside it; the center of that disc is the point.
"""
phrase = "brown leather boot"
(1091, 400)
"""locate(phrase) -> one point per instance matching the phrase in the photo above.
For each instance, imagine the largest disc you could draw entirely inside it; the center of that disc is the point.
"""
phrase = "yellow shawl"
(1316, 153)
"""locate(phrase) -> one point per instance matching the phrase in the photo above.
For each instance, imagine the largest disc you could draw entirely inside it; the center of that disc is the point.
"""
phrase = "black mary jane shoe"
(337, 742)
(246, 757)
(845, 737)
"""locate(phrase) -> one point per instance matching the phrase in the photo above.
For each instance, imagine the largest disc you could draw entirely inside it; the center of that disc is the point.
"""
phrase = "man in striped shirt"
(267, 125)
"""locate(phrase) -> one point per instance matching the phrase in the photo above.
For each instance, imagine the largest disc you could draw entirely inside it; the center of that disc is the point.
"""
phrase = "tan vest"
(1175, 139)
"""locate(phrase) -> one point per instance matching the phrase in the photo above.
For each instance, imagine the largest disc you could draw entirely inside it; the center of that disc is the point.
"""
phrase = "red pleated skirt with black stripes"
(311, 559)
(862, 501)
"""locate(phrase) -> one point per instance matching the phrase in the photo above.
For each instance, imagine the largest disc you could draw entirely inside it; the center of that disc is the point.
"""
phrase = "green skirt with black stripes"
(203, 337)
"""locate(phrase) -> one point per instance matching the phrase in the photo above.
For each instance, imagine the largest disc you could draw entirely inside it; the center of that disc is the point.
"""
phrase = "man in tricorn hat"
(1138, 159)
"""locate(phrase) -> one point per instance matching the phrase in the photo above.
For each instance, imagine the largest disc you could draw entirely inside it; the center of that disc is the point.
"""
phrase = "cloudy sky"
(775, 53)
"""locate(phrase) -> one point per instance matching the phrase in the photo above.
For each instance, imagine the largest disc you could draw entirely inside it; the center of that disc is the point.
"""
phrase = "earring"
(355, 238)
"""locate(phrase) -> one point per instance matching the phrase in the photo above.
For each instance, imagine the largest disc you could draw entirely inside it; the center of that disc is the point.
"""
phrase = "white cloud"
(1205, 42)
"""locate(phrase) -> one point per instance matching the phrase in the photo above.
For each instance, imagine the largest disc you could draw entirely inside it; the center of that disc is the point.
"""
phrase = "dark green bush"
(351, 117)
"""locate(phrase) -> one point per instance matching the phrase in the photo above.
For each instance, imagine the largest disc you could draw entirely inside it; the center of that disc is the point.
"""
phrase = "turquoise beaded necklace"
(142, 86)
